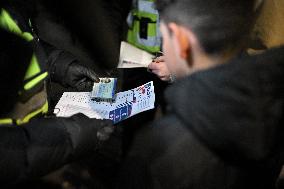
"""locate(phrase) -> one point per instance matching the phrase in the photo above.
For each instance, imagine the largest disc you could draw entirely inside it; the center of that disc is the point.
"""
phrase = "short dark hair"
(220, 25)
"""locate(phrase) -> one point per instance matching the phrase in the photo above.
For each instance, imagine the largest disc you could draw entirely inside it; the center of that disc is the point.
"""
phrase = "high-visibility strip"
(6, 121)
(43, 110)
(141, 14)
(144, 9)
(35, 81)
(34, 74)
(27, 36)
(147, 6)
(33, 68)
(9, 121)
(134, 2)
(150, 42)
(8, 23)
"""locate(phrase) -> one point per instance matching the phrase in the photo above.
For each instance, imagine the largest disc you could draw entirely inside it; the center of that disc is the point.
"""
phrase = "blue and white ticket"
(104, 90)
(125, 105)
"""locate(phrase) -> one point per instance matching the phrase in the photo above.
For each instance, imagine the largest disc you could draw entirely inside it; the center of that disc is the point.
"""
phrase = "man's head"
(198, 34)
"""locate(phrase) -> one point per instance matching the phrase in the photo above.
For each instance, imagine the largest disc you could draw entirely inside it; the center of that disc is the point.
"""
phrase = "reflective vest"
(143, 22)
(32, 99)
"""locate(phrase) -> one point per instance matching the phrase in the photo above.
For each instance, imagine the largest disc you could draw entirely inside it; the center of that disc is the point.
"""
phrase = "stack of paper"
(126, 104)
(133, 57)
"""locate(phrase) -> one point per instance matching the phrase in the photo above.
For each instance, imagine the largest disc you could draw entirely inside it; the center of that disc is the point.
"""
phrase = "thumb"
(153, 66)
(104, 133)
(90, 74)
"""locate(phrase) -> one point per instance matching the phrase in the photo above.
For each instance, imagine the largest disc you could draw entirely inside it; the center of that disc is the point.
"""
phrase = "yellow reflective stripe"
(33, 68)
(27, 36)
(43, 109)
(35, 81)
(6, 121)
(7, 22)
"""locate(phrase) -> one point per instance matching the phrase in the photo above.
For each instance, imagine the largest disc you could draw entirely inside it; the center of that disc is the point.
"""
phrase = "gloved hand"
(65, 69)
(57, 142)
(80, 77)
(88, 134)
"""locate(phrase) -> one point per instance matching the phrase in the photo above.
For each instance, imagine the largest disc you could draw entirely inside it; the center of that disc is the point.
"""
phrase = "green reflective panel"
(152, 29)
(6, 121)
(133, 33)
(35, 81)
(42, 110)
(8, 23)
(33, 68)
(132, 37)
(9, 121)
(27, 36)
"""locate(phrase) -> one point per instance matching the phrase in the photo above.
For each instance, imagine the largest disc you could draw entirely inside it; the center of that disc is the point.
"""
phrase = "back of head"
(220, 25)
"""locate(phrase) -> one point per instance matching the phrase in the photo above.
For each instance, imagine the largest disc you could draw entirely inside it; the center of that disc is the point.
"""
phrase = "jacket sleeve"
(97, 24)
(44, 145)
(58, 61)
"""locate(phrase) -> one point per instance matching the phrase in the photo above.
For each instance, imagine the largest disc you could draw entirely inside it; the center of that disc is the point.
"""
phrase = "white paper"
(133, 57)
(126, 104)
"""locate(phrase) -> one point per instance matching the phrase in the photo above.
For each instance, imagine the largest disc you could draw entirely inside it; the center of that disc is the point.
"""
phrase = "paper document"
(133, 57)
(126, 104)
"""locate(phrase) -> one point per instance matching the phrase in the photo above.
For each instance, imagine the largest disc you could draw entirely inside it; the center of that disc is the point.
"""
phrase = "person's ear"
(182, 39)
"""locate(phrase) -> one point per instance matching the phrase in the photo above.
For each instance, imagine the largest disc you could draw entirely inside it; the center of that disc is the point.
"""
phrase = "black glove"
(57, 142)
(80, 77)
(88, 134)
(65, 69)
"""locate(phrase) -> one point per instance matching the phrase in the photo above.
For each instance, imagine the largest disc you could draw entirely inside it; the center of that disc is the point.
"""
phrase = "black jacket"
(224, 129)
(50, 57)
(91, 30)
(44, 145)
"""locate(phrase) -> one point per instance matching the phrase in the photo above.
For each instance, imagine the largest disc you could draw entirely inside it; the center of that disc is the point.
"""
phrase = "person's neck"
(203, 61)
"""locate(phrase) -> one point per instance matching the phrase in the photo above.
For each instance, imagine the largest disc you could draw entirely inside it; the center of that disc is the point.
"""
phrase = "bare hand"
(159, 67)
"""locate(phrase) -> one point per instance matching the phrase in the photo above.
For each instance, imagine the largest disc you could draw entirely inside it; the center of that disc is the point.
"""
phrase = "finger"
(80, 87)
(104, 133)
(157, 72)
(154, 59)
(153, 66)
(91, 74)
(81, 84)
(160, 59)
(89, 85)
(108, 129)
(150, 66)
